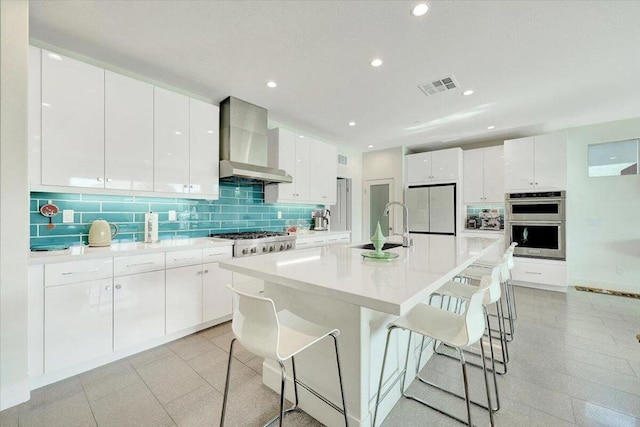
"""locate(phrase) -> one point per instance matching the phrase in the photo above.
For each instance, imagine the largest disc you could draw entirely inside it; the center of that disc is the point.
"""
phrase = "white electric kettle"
(100, 233)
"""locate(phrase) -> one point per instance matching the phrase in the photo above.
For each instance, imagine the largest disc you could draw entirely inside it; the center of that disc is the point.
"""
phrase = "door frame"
(366, 214)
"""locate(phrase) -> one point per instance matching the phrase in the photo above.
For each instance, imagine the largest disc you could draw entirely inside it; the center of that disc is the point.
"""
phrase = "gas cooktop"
(258, 242)
(249, 235)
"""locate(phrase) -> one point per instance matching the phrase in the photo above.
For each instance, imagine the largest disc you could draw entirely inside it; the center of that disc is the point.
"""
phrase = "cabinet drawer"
(123, 266)
(77, 271)
(547, 274)
(182, 258)
(217, 254)
(303, 243)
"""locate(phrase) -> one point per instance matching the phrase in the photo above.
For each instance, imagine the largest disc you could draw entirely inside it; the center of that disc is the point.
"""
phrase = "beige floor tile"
(239, 352)
(190, 346)
(107, 379)
(149, 356)
(600, 360)
(251, 403)
(133, 406)
(170, 378)
(588, 414)
(618, 381)
(542, 419)
(212, 366)
(255, 364)
(68, 411)
(200, 407)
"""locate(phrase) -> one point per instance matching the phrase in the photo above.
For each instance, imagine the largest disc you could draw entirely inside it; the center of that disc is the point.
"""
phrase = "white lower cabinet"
(216, 298)
(319, 239)
(184, 297)
(138, 309)
(535, 271)
(77, 323)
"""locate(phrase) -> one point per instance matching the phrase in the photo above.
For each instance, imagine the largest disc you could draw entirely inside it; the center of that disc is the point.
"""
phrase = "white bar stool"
(278, 336)
(455, 330)
(493, 295)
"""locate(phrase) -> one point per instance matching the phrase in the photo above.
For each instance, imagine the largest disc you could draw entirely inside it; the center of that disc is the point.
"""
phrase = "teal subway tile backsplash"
(240, 208)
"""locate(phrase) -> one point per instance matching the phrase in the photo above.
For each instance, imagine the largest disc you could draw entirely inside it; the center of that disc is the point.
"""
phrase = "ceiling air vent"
(342, 159)
(439, 85)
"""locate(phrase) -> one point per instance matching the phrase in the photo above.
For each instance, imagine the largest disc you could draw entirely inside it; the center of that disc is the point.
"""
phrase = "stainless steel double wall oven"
(536, 221)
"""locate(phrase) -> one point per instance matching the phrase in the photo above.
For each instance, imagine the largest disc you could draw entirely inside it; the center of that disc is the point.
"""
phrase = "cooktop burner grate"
(249, 235)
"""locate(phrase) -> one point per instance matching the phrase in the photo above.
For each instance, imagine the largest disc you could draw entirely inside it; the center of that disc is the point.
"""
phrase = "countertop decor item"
(385, 256)
(378, 240)
(100, 233)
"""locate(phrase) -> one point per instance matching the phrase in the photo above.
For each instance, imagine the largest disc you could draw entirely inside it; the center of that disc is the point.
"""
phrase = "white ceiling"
(535, 66)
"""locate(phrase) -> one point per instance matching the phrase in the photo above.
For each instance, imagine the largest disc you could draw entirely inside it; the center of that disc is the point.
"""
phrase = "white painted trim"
(14, 394)
(116, 192)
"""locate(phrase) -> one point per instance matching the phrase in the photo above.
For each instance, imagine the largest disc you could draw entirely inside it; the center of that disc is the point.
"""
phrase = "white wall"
(14, 202)
(385, 164)
(353, 170)
(603, 214)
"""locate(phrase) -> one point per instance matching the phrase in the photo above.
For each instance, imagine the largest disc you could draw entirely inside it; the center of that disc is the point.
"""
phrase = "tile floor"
(574, 361)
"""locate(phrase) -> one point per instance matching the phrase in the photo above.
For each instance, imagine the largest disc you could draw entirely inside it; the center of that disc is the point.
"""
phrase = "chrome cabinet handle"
(140, 264)
(69, 273)
(109, 180)
(533, 272)
(99, 179)
(183, 259)
(107, 288)
(118, 286)
(206, 271)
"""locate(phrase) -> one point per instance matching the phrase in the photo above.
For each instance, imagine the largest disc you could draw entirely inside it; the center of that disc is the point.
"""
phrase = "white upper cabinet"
(483, 175)
(204, 150)
(128, 133)
(434, 166)
(289, 151)
(323, 171)
(171, 147)
(72, 122)
(34, 118)
(536, 163)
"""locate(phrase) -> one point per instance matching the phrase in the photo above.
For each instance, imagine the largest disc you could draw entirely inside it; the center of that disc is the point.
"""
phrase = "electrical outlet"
(173, 216)
(279, 215)
(620, 271)
(67, 216)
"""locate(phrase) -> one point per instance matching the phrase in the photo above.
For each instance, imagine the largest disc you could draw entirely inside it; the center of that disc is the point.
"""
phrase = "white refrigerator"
(432, 209)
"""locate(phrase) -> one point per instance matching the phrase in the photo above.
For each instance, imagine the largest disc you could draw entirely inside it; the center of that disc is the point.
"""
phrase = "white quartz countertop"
(78, 253)
(313, 233)
(341, 273)
(482, 231)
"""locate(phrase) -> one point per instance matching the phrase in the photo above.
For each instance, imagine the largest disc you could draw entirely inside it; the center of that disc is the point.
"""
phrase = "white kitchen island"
(335, 286)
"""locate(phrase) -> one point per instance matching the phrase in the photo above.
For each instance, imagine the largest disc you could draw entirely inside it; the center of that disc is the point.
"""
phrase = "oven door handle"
(536, 222)
(532, 201)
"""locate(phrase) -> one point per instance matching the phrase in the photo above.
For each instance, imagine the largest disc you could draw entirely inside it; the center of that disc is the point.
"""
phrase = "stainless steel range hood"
(244, 144)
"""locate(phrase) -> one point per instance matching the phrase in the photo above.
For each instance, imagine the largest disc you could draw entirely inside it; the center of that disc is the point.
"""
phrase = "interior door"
(341, 211)
(378, 192)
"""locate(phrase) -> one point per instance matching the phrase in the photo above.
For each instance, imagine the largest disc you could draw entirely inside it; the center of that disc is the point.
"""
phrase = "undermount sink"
(384, 247)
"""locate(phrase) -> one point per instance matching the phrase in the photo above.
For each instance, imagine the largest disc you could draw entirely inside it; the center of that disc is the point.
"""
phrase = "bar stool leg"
(466, 386)
(282, 400)
(486, 383)
(493, 361)
(344, 404)
(295, 384)
(226, 384)
(384, 360)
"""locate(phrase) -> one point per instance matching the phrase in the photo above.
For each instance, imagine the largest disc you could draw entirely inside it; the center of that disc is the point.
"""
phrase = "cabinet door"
(216, 298)
(184, 297)
(72, 122)
(317, 171)
(171, 142)
(550, 160)
(418, 167)
(518, 164)
(138, 309)
(301, 178)
(493, 174)
(330, 175)
(128, 133)
(444, 164)
(33, 119)
(77, 323)
(35, 320)
(285, 141)
(473, 175)
(204, 149)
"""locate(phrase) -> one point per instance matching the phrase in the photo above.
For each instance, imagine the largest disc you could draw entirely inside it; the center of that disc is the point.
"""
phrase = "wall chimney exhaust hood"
(243, 144)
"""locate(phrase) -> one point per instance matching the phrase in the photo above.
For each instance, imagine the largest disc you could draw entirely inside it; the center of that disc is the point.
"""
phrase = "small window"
(614, 158)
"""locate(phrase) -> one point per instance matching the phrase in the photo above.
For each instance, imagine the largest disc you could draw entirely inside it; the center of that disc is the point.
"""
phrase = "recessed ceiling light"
(54, 56)
(491, 127)
(352, 123)
(209, 131)
(420, 9)
(467, 92)
(613, 157)
(44, 104)
(272, 84)
(178, 132)
(376, 62)
(369, 146)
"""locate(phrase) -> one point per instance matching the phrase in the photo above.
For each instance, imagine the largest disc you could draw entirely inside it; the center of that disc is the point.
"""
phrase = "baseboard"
(14, 394)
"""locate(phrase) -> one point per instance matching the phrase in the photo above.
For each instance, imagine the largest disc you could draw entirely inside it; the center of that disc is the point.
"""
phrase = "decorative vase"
(378, 239)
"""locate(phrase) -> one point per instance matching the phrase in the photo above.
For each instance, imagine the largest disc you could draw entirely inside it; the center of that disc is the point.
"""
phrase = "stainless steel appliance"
(244, 143)
(321, 219)
(258, 242)
(432, 209)
(536, 221)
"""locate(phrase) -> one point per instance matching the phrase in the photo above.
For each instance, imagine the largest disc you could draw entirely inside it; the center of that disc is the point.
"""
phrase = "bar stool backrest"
(494, 290)
(508, 254)
(474, 314)
(255, 324)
